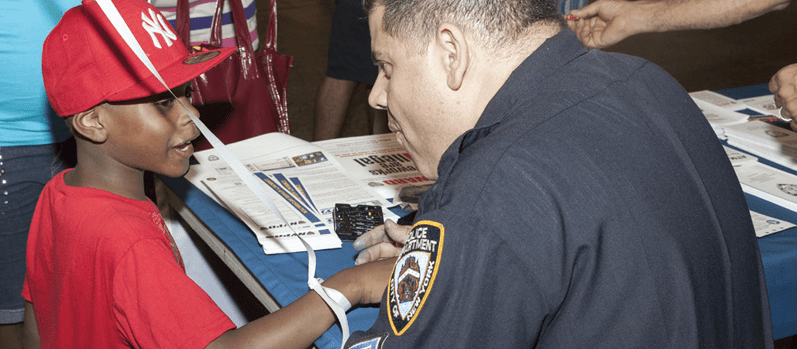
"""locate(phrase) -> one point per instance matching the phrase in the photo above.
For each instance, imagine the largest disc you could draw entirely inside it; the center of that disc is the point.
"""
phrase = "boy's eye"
(170, 101)
(165, 103)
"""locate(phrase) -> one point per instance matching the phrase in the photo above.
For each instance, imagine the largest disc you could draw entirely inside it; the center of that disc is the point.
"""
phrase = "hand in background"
(784, 86)
(384, 241)
(604, 23)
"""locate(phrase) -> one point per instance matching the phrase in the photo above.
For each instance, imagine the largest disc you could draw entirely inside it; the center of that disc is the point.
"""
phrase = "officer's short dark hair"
(495, 23)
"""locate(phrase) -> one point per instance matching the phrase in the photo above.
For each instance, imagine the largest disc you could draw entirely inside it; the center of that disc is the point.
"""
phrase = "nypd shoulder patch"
(370, 342)
(414, 274)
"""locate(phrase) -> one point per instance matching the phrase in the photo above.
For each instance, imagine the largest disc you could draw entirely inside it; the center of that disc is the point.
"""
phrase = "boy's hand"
(384, 241)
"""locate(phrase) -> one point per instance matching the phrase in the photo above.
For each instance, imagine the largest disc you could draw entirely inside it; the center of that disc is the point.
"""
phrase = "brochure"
(304, 180)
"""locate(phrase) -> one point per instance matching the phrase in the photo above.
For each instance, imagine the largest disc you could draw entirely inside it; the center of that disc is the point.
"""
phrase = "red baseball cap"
(86, 62)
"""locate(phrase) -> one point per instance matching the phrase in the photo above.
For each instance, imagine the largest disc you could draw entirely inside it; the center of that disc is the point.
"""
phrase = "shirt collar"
(554, 53)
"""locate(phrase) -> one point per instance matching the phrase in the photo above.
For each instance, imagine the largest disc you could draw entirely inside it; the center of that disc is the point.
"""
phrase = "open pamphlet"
(380, 162)
(305, 181)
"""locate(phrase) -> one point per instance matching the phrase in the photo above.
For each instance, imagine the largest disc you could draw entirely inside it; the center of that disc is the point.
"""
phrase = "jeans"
(24, 170)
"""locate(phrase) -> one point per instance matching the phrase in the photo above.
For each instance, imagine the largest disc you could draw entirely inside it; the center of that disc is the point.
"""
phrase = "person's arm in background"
(606, 22)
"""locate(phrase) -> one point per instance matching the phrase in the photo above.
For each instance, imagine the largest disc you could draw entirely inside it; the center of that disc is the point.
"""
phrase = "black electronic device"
(353, 221)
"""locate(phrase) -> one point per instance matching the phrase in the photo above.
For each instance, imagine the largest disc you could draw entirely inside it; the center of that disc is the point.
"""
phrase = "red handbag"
(246, 94)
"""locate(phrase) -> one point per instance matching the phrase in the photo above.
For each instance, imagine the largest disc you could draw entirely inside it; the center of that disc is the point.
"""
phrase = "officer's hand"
(382, 242)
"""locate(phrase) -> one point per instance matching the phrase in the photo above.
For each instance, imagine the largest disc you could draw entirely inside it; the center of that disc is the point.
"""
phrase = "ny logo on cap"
(156, 24)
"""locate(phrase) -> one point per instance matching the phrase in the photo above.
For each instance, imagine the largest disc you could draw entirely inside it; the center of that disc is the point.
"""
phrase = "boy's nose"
(187, 102)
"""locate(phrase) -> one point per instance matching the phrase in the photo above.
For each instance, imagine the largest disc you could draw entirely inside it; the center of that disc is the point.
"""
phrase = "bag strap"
(271, 30)
(215, 27)
(242, 38)
(183, 23)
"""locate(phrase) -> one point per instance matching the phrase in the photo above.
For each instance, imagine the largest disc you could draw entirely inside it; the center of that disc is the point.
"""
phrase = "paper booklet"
(716, 99)
(762, 104)
(719, 117)
(767, 183)
(304, 180)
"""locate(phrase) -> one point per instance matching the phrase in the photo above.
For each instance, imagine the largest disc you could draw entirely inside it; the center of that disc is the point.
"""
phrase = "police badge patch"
(414, 274)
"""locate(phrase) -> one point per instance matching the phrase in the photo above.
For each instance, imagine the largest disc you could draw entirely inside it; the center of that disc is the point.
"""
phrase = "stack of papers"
(766, 140)
(748, 125)
(303, 180)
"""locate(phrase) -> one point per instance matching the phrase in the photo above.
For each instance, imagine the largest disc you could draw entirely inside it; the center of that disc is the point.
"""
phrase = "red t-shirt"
(103, 272)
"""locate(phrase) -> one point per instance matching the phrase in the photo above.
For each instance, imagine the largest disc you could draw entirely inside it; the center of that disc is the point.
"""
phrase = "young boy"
(103, 270)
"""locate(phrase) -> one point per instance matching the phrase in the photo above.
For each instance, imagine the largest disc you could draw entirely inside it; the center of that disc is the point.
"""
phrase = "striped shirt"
(202, 18)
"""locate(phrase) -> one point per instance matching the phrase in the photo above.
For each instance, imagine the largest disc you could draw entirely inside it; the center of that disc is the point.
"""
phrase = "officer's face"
(412, 88)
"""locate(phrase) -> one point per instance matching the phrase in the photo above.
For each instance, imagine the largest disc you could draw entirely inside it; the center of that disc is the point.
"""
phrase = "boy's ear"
(87, 124)
(454, 47)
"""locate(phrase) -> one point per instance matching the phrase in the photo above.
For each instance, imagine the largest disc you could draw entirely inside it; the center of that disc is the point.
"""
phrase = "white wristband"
(336, 296)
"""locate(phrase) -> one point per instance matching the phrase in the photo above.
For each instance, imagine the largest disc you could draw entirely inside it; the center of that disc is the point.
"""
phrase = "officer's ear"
(453, 50)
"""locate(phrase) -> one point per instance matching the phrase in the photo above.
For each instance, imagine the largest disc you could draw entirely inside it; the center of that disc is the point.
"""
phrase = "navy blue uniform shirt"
(592, 206)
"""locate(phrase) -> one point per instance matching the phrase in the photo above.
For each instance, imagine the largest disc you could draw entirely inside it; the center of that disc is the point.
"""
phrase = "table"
(778, 251)
(276, 280)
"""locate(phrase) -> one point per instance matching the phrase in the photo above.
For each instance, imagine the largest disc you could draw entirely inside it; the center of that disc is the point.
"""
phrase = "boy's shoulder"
(95, 211)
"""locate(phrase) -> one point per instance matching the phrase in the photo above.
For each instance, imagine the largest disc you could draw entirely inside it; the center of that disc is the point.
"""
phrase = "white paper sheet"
(766, 225)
